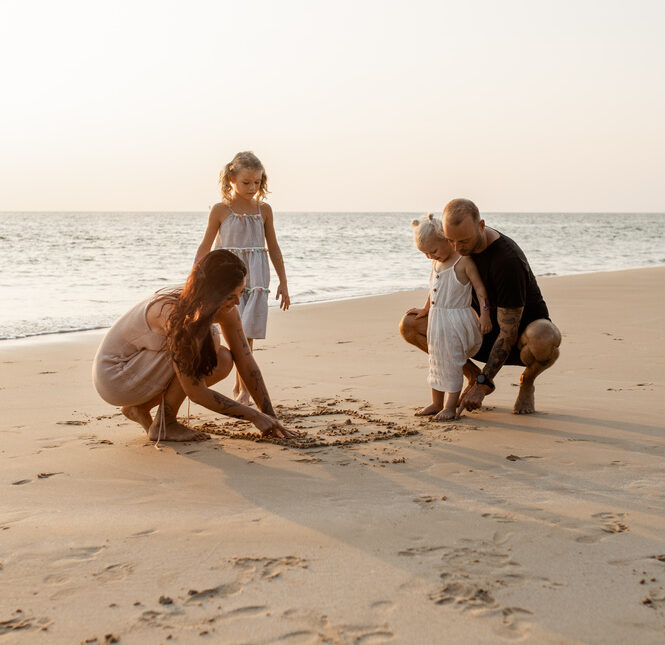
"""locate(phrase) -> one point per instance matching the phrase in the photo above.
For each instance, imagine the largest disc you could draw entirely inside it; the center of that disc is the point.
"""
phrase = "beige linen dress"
(132, 365)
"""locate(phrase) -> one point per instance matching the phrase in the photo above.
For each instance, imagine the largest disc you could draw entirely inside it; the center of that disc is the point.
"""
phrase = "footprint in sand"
(94, 442)
(473, 575)
(269, 568)
(504, 518)
(429, 501)
(316, 628)
(23, 622)
(243, 571)
(420, 550)
(383, 606)
(56, 579)
(240, 612)
(114, 572)
(145, 533)
(476, 597)
(465, 595)
(611, 523)
(77, 554)
(220, 591)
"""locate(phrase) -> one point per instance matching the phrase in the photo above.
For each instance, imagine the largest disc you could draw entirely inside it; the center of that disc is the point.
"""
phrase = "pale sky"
(361, 105)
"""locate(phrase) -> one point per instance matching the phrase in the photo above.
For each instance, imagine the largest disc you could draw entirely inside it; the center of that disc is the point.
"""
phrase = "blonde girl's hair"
(243, 161)
(426, 227)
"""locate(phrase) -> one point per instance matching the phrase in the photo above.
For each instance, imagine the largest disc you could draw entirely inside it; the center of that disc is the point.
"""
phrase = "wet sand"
(379, 526)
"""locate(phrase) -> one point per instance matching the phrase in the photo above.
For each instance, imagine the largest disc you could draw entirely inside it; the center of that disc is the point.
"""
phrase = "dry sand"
(547, 528)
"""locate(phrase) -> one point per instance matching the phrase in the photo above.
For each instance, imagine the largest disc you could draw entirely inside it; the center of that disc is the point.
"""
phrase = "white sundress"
(244, 235)
(452, 329)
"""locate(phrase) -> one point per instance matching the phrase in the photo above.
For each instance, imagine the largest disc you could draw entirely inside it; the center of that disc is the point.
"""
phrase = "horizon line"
(336, 212)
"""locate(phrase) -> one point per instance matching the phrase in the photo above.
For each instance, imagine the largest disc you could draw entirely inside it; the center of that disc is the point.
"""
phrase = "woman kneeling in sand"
(166, 348)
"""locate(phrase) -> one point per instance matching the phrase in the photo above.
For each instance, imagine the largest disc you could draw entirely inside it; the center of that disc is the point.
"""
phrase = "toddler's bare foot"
(175, 431)
(138, 414)
(445, 415)
(526, 400)
(428, 410)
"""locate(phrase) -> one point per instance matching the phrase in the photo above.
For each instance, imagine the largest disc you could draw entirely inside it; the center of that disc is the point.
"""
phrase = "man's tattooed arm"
(509, 321)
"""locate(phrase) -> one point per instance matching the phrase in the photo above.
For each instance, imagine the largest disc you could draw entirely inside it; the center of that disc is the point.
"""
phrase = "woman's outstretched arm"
(244, 359)
(199, 392)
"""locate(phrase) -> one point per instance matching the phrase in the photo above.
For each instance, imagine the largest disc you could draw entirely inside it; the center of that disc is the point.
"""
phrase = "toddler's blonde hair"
(426, 227)
(243, 161)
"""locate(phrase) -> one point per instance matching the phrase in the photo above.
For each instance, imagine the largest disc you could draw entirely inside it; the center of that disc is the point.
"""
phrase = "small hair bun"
(430, 215)
(415, 222)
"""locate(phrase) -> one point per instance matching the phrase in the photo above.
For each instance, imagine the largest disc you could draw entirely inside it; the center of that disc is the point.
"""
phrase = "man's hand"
(473, 398)
(485, 323)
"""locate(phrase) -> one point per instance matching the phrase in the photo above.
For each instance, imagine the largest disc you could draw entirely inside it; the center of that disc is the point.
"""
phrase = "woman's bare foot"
(139, 415)
(526, 399)
(445, 415)
(174, 431)
(428, 410)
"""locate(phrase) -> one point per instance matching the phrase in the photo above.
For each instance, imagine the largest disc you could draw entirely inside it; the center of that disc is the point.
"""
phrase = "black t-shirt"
(509, 281)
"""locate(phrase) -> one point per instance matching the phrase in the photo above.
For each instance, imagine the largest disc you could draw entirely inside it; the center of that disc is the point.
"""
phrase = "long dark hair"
(188, 336)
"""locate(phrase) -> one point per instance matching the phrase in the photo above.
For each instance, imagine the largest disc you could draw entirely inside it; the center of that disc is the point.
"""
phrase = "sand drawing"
(322, 423)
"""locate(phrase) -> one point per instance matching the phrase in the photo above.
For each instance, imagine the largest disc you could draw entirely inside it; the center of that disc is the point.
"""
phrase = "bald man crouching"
(522, 332)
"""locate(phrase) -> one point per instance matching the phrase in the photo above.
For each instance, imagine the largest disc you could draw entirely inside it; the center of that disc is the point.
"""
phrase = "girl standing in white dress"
(243, 223)
(454, 330)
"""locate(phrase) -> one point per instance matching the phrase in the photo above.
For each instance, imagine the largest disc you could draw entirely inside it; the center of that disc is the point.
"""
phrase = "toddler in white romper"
(454, 330)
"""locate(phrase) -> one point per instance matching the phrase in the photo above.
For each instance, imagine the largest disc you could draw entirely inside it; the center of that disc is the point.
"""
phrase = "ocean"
(64, 272)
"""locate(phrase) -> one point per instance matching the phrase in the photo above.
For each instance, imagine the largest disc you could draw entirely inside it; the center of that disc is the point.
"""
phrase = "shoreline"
(545, 528)
(53, 336)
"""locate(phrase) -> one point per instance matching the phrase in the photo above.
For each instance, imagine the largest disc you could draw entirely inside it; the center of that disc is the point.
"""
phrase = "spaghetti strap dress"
(132, 365)
(452, 329)
(244, 235)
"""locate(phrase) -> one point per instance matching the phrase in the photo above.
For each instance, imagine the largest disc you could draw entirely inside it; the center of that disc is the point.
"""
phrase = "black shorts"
(488, 342)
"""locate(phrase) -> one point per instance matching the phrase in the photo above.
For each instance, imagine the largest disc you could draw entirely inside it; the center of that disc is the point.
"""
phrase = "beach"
(382, 527)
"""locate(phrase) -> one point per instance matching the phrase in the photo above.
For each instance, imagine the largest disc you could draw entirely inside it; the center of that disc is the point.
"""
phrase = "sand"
(382, 527)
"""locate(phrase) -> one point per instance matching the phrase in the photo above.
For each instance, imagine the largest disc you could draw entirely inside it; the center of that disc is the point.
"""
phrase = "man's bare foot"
(175, 431)
(471, 371)
(428, 410)
(526, 400)
(445, 415)
(139, 415)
